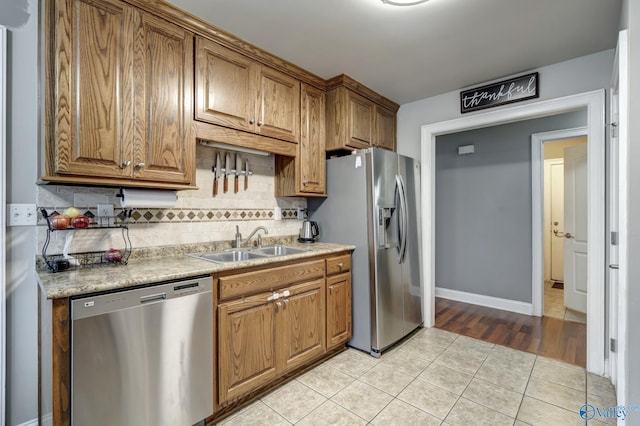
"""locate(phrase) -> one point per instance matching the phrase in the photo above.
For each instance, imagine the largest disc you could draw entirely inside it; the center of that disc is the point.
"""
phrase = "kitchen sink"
(229, 256)
(278, 250)
(247, 254)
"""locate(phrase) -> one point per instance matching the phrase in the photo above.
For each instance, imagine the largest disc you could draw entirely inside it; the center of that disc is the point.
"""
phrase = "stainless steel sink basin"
(278, 250)
(228, 256)
(247, 254)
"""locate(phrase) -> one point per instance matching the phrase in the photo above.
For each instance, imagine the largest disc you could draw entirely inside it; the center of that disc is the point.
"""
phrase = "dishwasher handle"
(153, 298)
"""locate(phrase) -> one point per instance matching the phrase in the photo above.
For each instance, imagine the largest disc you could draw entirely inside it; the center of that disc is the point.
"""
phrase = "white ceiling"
(409, 53)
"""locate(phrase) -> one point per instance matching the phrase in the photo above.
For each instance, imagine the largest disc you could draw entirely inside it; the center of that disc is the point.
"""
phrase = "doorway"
(557, 301)
(594, 103)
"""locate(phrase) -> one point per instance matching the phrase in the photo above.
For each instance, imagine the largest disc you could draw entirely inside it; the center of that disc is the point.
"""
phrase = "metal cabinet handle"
(252, 120)
(125, 164)
(278, 305)
(614, 266)
(286, 302)
(331, 290)
(140, 165)
(260, 122)
(340, 265)
(310, 182)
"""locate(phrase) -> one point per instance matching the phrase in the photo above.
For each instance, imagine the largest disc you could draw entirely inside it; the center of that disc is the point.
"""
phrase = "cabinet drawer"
(338, 264)
(254, 282)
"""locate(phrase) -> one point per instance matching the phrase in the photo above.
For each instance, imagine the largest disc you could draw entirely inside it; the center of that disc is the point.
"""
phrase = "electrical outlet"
(277, 213)
(22, 215)
(105, 214)
(300, 214)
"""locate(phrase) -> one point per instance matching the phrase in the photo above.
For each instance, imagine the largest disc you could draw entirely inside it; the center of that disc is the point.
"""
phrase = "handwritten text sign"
(500, 93)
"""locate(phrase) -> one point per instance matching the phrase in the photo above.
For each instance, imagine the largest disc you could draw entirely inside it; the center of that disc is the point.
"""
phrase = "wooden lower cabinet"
(247, 359)
(338, 309)
(301, 326)
(298, 313)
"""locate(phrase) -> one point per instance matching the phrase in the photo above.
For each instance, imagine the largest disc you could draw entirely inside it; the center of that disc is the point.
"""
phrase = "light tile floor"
(434, 378)
(554, 305)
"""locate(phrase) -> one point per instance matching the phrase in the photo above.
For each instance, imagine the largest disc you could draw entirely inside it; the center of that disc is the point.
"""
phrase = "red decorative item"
(113, 255)
(80, 222)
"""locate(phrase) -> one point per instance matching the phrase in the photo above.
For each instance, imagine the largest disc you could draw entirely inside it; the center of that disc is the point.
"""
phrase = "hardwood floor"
(547, 336)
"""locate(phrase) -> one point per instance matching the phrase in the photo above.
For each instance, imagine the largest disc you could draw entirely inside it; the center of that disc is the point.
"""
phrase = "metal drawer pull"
(614, 266)
(140, 165)
(310, 182)
(125, 164)
(340, 265)
(153, 298)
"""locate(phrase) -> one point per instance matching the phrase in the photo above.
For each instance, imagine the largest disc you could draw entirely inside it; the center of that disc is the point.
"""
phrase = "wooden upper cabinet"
(305, 175)
(225, 85)
(237, 92)
(385, 129)
(93, 114)
(358, 117)
(164, 145)
(359, 120)
(121, 97)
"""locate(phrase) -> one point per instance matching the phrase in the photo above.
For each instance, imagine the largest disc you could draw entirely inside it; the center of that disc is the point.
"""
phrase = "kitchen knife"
(238, 171)
(246, 175)
(216, 176)
(227, 170)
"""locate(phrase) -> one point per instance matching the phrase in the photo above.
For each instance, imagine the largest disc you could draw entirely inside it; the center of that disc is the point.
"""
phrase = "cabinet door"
(360, 116)
(338, 309)
(164, 142)
(93, 120)
(246, 346)
(278, 105)
(225, 86)
(385, 134)
(300, 324)
(311, 153)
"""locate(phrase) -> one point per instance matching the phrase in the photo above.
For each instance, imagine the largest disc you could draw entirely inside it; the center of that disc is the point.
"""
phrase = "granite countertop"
(169, 266)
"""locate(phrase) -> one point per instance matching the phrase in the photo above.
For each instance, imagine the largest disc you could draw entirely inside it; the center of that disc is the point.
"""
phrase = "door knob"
(140, 165)
(568, 235)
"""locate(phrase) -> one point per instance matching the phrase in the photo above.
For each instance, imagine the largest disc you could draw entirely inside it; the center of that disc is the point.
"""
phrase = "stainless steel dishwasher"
(143, 356)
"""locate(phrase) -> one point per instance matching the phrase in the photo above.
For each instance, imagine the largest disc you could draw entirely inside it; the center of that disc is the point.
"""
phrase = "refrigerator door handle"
(402, 218)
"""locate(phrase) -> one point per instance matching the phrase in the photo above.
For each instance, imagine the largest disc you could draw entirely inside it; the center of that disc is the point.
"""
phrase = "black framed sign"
(503, 92)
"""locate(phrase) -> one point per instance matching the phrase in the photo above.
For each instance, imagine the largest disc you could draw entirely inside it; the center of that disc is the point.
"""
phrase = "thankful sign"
(500, 93)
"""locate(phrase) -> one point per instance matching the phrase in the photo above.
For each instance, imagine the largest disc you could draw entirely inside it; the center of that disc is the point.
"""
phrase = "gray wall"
(483, 208)
(22, 155)
(632, 18)
(577, 75)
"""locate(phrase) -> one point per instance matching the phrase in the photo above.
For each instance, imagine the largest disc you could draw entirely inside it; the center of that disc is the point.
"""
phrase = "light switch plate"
(22, 215)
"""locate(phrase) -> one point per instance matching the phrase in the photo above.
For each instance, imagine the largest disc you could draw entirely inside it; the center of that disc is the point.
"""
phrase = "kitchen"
(223, 233)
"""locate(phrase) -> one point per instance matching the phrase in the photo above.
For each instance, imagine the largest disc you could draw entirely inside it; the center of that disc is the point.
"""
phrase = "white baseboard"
(33, 422)
(488, 301)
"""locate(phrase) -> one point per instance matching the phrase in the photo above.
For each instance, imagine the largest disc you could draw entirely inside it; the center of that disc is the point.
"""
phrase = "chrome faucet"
(238, 241)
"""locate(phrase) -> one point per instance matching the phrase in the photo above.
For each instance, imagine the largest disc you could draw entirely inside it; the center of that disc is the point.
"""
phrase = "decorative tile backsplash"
(198, 217)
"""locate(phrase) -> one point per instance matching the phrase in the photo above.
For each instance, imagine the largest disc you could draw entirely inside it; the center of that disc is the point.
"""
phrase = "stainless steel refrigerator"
(373, 203)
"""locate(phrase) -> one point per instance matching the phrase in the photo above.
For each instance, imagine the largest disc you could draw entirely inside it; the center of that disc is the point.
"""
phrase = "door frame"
(620, 80)
(594, 102)
(3, 218)
(537, 210)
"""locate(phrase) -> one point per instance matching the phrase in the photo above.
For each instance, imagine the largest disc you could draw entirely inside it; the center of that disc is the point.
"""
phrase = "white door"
(575, 227)
(556, 177)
